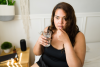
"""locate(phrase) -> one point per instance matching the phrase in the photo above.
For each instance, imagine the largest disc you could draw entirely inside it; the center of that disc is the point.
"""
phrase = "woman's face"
(59, 19)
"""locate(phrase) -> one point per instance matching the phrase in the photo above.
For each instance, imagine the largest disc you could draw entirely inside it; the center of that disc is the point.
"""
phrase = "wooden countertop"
(23, 60)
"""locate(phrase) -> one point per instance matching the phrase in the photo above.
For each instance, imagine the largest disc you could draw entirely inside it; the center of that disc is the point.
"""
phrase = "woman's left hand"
(62, 36)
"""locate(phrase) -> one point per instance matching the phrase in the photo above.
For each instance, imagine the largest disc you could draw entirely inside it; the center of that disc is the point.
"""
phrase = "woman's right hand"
(42, 40)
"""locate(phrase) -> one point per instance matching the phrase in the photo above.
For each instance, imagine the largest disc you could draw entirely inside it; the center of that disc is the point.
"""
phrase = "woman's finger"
(43, 41)
(62, 30)
(43, 37)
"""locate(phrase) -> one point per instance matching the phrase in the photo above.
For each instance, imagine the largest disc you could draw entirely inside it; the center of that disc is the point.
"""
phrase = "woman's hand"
(62, 36)
(42, 40)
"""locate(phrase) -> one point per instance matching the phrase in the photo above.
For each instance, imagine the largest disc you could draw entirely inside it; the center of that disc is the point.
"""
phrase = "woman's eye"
(57, 17)
(64, 18)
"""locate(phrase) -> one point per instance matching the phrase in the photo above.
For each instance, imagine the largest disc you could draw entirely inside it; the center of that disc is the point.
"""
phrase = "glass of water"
(48, 36)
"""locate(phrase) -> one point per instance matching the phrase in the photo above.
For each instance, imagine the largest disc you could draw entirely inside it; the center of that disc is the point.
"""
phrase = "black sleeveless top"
(53, 57)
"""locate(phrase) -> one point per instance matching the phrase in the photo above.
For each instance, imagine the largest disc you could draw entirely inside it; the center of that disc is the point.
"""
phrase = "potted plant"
(6, 46)
(14, 50)
(7, 10)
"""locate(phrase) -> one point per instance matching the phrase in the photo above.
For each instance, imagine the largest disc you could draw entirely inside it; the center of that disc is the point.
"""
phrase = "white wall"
(46, 6)
(0, 39)
(17, 7)
(12, 31)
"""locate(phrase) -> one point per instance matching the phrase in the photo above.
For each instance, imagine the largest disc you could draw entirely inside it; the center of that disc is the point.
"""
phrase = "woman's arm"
(38, 48)
(75, 56)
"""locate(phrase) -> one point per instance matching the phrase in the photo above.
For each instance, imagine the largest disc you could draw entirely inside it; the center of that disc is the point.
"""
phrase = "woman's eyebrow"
(59, 16)
(56, 16)
(64, 16)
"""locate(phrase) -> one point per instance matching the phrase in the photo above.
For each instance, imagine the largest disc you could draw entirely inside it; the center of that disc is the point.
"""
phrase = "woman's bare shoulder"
(79, 35)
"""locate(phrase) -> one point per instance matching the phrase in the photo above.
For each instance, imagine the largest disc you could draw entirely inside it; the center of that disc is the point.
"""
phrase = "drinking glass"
(48, 37)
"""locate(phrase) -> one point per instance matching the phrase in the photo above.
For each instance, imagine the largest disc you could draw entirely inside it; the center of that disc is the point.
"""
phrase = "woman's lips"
(60, 27)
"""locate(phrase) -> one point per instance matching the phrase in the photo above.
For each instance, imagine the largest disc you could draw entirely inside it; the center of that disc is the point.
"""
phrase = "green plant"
(14, 48)
(6, 45)
(3, 2)
(10, 2)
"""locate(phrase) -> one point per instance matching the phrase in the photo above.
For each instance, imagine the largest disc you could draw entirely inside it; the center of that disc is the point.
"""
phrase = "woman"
(68, 45)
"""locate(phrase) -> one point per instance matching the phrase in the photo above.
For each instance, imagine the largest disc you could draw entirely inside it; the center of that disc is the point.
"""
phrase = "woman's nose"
(61, 20)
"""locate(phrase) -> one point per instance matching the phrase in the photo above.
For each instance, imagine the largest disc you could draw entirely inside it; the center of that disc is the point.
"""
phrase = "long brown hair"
(71, 27)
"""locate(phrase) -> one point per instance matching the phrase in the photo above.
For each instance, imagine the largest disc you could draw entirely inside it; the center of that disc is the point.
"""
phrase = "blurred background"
(88, 20)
